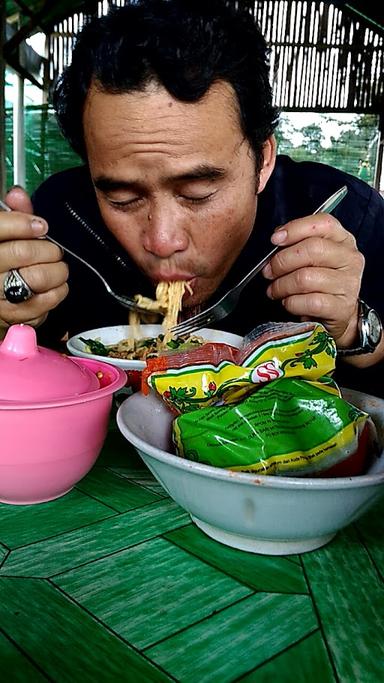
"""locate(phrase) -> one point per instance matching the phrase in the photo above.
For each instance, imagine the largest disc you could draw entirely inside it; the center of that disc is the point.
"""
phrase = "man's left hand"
(317, 274)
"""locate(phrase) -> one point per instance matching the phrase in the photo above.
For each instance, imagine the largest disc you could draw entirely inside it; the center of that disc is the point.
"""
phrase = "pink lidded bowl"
(54, 413)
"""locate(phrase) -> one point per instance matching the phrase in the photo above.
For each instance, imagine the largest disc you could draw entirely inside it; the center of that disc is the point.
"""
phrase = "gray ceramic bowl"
(261, 514)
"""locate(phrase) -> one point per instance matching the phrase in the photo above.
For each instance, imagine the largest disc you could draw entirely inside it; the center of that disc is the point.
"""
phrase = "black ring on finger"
(16, 289)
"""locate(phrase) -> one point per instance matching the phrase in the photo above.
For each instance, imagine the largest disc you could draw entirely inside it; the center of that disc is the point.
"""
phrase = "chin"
(196, 300)
(190, 303)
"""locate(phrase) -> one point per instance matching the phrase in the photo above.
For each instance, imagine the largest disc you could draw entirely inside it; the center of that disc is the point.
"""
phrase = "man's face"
(175, 181)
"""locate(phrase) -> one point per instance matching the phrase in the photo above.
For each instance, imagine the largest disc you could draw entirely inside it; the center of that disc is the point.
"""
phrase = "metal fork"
(123, 300)
(228, 302)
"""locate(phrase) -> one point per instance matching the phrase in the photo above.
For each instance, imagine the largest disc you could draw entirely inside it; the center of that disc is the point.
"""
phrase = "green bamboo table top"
(112, 582)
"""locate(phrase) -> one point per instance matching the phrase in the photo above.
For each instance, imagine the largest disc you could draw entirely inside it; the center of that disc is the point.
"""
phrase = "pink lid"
(29, 372)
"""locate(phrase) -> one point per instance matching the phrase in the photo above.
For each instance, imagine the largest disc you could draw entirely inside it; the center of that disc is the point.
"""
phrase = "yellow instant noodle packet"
(271, 352)
(271, 407)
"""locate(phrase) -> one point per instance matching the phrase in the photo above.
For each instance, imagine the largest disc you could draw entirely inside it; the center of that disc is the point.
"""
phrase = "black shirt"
(67, 201)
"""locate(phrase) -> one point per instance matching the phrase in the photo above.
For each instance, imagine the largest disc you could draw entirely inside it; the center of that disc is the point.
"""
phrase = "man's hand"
(38, 261)
(317, 275)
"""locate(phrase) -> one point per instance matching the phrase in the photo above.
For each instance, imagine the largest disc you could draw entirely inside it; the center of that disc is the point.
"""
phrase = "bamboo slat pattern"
(321, 58)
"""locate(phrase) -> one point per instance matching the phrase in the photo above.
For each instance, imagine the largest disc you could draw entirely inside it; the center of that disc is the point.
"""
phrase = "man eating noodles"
(168, 103)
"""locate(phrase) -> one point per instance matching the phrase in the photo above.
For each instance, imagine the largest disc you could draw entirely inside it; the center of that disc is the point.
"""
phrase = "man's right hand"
(38, 261)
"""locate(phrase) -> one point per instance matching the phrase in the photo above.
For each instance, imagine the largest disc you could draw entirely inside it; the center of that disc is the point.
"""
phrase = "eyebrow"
(201, 172)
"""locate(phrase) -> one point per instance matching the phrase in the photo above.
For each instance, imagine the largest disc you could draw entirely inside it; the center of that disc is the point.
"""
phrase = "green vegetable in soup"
(96, 347)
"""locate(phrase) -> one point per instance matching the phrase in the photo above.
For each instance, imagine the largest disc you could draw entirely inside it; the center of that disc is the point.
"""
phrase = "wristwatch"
(370, 330)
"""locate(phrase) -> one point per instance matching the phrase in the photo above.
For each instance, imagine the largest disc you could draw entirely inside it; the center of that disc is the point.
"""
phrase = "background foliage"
(353, 150)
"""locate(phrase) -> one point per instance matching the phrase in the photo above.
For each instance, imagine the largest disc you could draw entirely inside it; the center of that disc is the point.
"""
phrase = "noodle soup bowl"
(115, 334)
(261, 514)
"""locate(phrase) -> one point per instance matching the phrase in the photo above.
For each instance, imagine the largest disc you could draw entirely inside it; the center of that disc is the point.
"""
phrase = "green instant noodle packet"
(270, 407)
(288, 426)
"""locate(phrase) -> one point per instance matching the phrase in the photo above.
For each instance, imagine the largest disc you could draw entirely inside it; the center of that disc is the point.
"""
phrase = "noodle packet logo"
(266, 372)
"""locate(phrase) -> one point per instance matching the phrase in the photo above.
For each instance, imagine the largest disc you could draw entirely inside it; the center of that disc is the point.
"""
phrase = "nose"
(165, 232)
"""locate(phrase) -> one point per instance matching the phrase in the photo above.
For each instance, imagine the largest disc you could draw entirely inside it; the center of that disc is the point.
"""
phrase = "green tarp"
(46, 150)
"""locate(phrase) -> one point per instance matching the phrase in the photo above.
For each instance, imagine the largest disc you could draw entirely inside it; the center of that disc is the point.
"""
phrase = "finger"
(34, 322)
(42, 278)
(323, 307)
(34, 308)
(316, 280)
(315, 305)
(17, 225)
(22, 253)
(320, 225)
(18, 200)
(317, 252)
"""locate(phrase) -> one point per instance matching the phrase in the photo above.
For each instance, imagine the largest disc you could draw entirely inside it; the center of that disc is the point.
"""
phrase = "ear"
(269, 153)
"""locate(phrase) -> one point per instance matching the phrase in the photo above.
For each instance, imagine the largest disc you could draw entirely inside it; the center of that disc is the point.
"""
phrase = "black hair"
(184, 45)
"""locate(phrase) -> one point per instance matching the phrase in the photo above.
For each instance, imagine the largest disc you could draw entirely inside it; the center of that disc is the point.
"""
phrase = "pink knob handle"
(20, 341)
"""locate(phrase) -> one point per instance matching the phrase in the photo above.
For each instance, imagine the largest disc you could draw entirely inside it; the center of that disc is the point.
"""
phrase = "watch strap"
(366, 344)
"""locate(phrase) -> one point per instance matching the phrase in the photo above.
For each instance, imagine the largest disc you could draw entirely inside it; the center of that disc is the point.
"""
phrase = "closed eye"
(198, 200)
(125, 203)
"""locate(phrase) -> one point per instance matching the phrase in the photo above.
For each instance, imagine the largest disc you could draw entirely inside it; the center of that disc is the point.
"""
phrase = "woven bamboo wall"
(322, 60)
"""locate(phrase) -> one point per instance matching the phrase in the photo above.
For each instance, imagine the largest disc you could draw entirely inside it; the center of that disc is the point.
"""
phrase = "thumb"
(18, 200)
